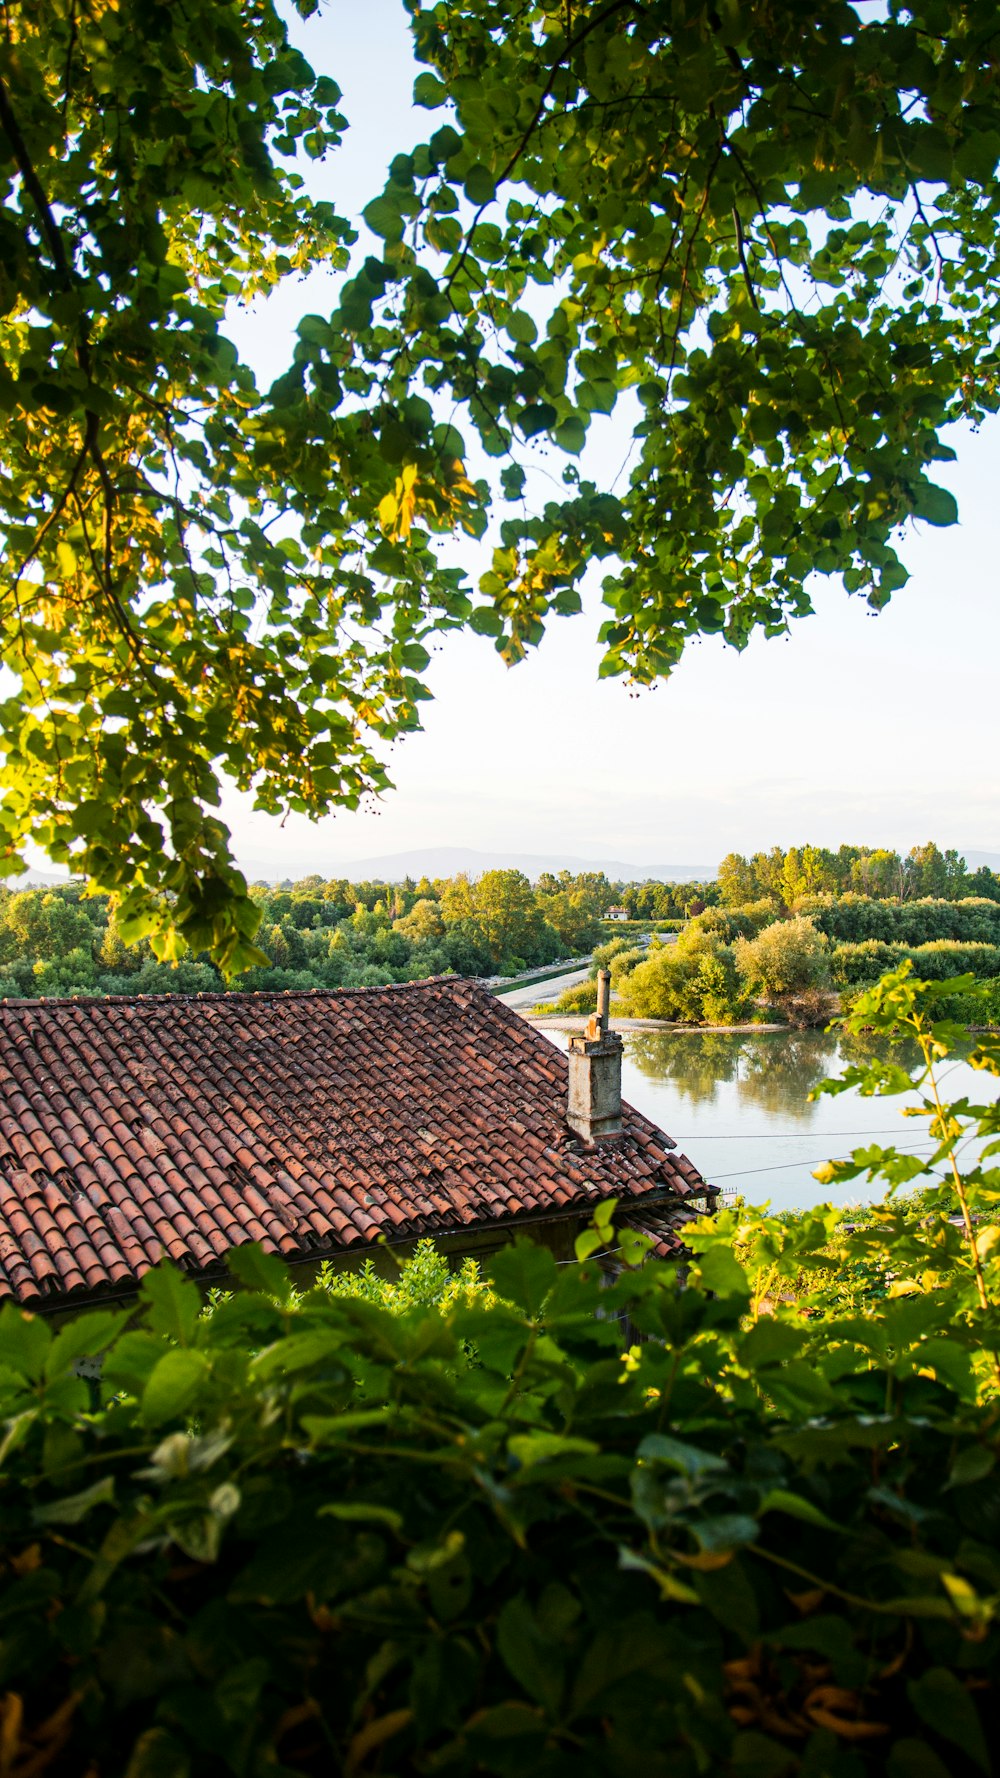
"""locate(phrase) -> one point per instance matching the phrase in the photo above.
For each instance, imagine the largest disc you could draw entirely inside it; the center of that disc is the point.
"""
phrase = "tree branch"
(33, 186)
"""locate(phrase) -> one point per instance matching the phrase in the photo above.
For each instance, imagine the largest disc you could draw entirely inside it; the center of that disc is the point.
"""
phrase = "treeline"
(319, 933)
(315, 933)
(731, 965)
(789, 876)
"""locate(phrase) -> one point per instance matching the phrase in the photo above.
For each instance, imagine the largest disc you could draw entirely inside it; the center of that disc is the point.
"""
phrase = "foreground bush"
(306, 1535)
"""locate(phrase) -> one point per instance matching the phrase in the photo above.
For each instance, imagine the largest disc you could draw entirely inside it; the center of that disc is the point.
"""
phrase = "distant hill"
(973, 860)
(35, 879)
(450, 861)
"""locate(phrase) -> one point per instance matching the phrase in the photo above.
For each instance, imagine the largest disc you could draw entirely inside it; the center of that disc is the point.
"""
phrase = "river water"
(737, 1103)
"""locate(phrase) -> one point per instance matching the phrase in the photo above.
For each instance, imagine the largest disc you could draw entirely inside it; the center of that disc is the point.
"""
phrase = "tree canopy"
(767, 232)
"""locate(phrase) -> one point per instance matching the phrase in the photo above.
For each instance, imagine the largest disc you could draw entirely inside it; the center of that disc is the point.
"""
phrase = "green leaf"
(910, 1758)
(521, 327)
(935, 505)
(943, 1703)
(87, 1336)
(571, 435)
(157, 1754)
(770, 1342)
(523, 1273)
(530, 1448)
(74, 1507)
(173, 1386)
(429, 91)
(726, 1531)
(384, 218)
(659, 1447)
(24, 1341)
(970, 1465)
(260, 1271)
(131, 1361)
(529, 1655)
(174, 1302)
(486, 621)
(479, 185)
(779, 1500)
(722, 1273)
(539, 417)
(362, 1512)
(506, 1722)
(445, 143)
(671, 1587)
(756, 1756)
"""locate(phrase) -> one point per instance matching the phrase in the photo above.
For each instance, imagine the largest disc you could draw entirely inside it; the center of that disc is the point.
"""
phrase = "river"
(737, 1103)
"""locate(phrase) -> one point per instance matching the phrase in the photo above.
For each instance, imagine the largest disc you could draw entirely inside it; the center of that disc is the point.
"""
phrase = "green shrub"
(943, 957)
(423, 1279)
(604, 955)
(578, 999)
(863, 962)
(729, 924)
(625, 962)
(855, 918)
(787, 957)
(693, 981)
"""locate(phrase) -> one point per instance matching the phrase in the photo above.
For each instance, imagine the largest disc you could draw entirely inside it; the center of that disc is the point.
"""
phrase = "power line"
(788, 1135)
(783, 1166)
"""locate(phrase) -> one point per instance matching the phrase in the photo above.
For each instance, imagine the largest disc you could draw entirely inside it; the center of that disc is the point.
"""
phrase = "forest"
(725, 961)
(314, 934)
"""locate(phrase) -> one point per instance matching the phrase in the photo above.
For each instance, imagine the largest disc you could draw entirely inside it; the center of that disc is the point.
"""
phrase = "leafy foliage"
(769, 231)
(936, 961)
(478, 1537)
(422, 1280)
(785, 958)
(790, 877)
(763, 235)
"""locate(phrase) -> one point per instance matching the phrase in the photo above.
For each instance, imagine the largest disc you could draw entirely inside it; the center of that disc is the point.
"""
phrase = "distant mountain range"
(35, 879)
(450, 861)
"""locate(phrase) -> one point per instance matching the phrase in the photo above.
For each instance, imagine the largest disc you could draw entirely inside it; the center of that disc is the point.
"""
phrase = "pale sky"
(853, 728)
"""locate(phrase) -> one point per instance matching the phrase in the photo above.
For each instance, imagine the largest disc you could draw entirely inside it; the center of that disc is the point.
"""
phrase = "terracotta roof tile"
(304, 1121)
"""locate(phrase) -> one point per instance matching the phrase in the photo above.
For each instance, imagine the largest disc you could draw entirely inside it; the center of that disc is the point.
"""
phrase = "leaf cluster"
(305, 1530)
(766, 236)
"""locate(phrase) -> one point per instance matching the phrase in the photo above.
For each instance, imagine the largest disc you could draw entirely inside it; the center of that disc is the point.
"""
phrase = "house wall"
(557, 1233)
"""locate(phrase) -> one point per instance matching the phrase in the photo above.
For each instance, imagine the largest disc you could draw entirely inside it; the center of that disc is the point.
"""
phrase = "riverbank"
(544, 989)
(577, 1022)
(546, 972)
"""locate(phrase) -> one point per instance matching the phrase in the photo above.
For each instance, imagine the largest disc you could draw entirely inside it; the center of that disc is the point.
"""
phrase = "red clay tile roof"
(664, 1226)
(310, 1122)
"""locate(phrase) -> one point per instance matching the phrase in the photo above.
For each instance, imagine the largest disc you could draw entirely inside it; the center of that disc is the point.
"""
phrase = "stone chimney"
(594, 1110)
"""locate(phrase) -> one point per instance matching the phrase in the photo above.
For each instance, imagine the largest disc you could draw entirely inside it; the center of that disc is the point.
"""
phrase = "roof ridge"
(236, 996)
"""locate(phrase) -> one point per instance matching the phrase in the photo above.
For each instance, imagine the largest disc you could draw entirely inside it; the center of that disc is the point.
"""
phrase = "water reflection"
(738, 1104)
(774, 1070)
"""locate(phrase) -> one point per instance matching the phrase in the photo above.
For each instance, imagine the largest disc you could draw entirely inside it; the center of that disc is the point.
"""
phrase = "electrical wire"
(790, 1135)
(783, 1166)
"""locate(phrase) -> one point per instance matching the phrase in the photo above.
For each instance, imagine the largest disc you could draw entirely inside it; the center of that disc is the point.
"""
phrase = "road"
(537, 993)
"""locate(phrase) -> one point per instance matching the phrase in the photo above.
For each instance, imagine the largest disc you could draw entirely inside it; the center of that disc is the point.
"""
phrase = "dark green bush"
(319, 1539)
(602, 1528)
(853, 919)
(863, 962)
(852, 964)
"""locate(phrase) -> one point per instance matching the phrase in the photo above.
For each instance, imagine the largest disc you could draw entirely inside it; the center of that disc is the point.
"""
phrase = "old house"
(313, 1123)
